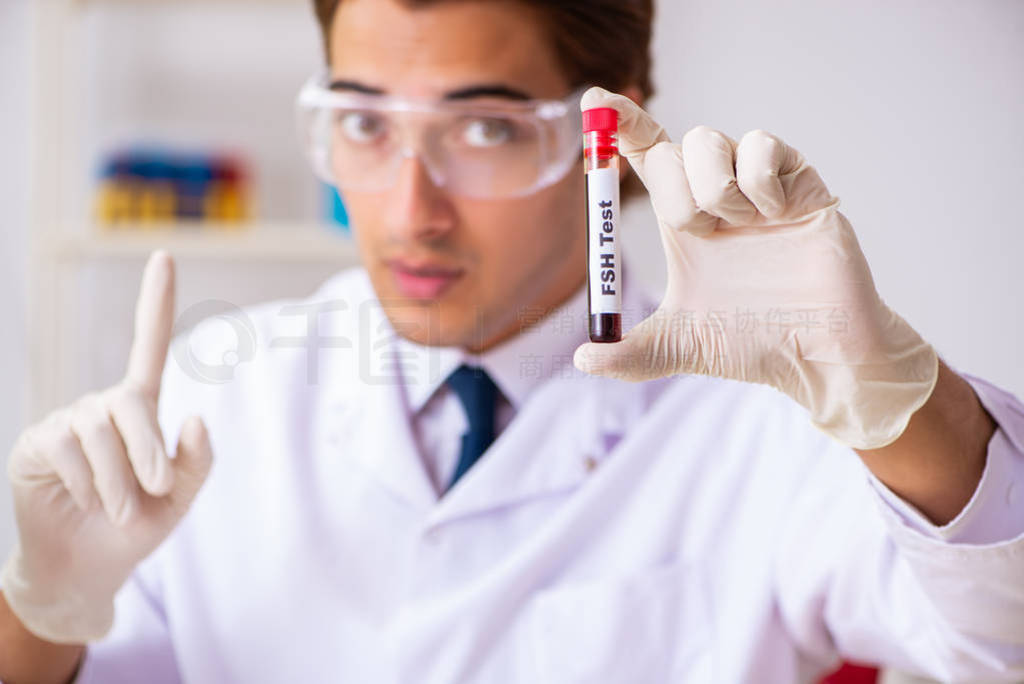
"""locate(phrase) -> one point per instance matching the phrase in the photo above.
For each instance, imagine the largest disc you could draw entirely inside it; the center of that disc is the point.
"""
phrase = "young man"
(412, 483)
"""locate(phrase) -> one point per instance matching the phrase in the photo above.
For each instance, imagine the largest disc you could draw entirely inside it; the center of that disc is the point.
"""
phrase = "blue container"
(334, 209)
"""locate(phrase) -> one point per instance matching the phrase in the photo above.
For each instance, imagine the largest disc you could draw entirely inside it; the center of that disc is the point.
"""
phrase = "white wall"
(14, 161)
(911, 111)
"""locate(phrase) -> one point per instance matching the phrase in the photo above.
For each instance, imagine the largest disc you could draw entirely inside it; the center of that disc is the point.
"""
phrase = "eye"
(489, 132)
(362, 127)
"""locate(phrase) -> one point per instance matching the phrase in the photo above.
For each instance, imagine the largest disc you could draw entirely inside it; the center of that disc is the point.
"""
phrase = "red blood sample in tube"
(604, 265)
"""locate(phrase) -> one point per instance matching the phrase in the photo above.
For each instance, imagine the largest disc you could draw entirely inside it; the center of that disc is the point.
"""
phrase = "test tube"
(604, 270)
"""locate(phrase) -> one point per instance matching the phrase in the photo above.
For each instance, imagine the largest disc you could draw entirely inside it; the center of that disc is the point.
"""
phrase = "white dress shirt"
(682, 530)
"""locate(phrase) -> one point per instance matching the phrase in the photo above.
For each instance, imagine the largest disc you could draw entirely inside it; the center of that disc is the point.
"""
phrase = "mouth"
(422, 280)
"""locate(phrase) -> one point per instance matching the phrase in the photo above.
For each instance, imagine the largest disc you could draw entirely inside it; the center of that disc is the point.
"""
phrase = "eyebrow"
(467, 93)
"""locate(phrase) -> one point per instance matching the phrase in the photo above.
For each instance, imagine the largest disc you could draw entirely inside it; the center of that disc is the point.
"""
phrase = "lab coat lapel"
(379, 438)
(369, 416)
(548, 452)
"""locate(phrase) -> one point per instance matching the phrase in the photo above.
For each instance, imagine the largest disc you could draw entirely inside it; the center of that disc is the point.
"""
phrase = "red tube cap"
(604, 119)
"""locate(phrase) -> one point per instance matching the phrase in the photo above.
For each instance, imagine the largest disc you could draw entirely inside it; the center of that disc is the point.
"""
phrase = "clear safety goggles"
(479, 148)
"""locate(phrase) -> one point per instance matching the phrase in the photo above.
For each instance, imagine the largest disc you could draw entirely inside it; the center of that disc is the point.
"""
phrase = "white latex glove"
(94, 490)
(766, 284)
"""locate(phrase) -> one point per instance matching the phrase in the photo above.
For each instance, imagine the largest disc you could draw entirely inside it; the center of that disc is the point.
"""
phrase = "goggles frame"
(558, 119)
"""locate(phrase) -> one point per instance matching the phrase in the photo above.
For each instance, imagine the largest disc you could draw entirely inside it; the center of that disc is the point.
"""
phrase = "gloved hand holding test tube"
(766, 281)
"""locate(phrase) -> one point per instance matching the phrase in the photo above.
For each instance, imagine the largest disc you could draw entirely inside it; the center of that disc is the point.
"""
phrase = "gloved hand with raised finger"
(766, 284)
(94, 490)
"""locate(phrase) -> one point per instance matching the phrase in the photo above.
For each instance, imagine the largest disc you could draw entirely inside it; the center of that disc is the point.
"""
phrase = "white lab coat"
(682, 530)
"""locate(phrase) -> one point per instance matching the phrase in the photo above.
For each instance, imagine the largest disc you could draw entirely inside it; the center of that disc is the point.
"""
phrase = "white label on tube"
(605, 275)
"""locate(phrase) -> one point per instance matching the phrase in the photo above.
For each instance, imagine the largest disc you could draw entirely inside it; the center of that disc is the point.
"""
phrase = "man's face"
(453, 270)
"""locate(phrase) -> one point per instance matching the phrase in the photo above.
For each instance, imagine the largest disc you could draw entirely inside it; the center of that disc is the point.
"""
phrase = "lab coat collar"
(366, 409)
(538, 361)
(373, 425)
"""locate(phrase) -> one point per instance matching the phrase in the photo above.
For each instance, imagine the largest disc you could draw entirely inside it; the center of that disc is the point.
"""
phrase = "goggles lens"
(477, 149)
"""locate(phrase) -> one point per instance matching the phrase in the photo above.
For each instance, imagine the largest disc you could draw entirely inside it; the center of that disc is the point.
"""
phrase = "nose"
(417, 209)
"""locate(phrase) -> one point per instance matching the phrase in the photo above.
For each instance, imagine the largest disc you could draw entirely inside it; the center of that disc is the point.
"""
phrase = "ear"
(633, 93)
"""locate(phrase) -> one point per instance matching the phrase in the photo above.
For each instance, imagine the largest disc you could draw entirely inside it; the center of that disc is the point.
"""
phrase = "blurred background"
(126, 125)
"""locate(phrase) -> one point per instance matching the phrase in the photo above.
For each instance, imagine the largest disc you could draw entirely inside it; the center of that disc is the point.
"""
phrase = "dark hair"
(598, 42)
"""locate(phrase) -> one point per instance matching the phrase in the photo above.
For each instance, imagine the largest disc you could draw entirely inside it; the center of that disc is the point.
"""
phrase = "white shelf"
(245, 242)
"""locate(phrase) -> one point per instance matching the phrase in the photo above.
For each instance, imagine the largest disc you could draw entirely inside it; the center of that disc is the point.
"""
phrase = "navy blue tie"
(478, 395)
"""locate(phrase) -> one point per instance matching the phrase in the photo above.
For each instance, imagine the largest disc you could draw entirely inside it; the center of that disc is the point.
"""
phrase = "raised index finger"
(154, 319)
